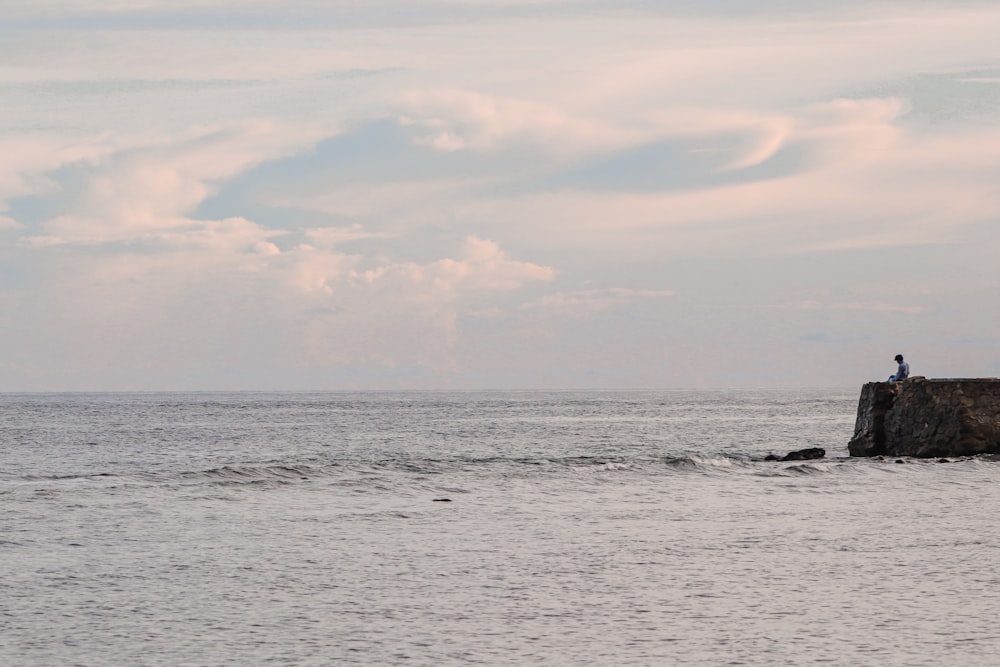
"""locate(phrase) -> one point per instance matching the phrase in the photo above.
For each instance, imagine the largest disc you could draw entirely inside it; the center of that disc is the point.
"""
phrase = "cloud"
(588, 303)
(330, 237)
(224, 280)
(133, 251)
(467, 120)
(399, 314)
(139, 191)
(27, 161)
(391, 203)
(483, 266)
(9, 223)
(812, 304)
(853, 174)
(770, 171)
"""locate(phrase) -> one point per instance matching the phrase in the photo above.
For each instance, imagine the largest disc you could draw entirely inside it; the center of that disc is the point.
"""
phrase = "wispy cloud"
(811, 304)
(464, 119)
(139, 190)
(588, 303)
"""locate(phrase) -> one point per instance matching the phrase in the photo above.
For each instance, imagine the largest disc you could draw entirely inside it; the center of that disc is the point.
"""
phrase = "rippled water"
(482, 528)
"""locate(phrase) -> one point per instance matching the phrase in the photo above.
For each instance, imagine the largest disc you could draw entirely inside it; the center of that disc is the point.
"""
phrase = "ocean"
(483, 528)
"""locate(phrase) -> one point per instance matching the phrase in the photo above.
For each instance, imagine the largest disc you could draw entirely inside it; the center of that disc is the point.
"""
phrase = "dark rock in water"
(799, 455)
(805, 454)
(928, 418)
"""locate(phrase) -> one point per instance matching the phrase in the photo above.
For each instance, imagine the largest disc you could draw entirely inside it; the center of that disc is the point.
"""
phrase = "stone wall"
(928, 418)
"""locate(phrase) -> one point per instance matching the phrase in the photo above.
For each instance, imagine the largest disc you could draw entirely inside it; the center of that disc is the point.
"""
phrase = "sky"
(496, 194)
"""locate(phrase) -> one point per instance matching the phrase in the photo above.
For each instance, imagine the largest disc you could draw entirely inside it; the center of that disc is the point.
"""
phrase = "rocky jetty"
(928, 418)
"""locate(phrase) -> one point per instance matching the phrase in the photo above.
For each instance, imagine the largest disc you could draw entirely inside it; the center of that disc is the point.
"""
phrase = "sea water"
(557, 528)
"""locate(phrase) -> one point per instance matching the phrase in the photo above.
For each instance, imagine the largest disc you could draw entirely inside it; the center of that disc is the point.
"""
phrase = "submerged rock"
(928, 418)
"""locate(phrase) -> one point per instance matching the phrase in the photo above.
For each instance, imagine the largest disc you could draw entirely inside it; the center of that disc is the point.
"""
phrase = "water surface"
(482, 528)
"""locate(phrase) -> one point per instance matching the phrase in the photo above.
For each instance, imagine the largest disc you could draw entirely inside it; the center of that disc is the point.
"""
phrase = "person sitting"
(902, 372)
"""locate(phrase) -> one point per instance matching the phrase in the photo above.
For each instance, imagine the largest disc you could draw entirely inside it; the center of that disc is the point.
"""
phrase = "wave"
(389, 473)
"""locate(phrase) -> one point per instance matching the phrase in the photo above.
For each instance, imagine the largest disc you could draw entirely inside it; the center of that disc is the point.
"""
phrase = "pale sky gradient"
(379, 194)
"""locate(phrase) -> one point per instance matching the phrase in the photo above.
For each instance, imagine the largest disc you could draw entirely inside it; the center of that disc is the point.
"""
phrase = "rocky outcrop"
(928, 418)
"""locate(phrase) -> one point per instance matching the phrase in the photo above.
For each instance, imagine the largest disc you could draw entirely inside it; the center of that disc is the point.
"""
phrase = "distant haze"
(492, 194)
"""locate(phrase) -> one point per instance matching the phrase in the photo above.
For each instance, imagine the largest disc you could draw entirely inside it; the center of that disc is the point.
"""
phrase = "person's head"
(899, 358)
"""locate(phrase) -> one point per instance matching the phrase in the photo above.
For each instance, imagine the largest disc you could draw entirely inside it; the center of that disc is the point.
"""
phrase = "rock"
(928, 418)
(805, 454)
(799, 455)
